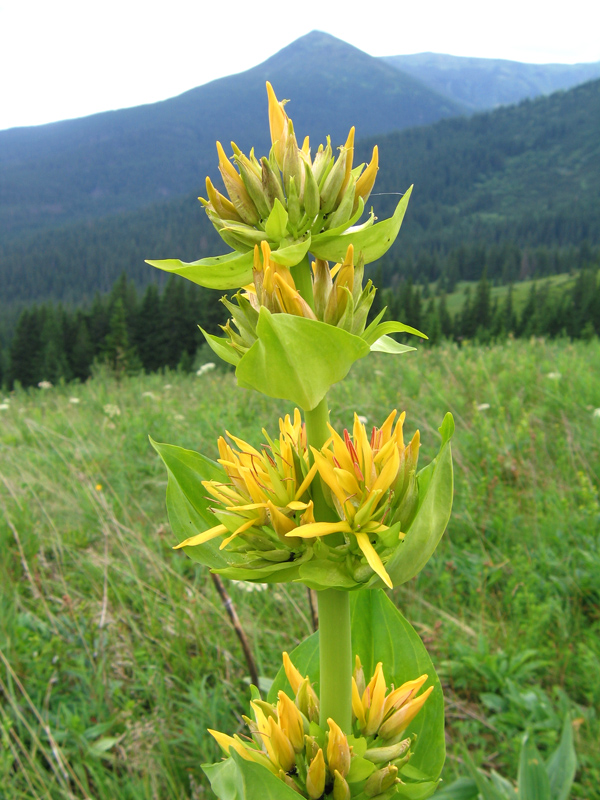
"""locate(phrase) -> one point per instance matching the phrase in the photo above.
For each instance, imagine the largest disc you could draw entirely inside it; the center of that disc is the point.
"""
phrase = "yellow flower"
(367, 478)
(266, 494)
(386, 716)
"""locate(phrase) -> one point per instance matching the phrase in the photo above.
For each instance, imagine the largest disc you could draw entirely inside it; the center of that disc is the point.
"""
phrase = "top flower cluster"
(284, 197)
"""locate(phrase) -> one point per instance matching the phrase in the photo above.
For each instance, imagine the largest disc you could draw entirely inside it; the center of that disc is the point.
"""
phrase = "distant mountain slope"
(486, 83)
(123, 160)
(528, 174)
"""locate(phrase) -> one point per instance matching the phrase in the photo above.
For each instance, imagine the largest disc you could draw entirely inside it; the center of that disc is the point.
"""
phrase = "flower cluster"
(283, 197)
(265, 497)
(373, 488)
(265, 509)
(287, 740)
(336, 293)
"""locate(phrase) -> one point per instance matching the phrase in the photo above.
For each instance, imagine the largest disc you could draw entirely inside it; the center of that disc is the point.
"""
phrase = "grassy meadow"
(116, 653)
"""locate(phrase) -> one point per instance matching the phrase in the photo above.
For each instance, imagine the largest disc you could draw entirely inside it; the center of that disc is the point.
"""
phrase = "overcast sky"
(69, 58)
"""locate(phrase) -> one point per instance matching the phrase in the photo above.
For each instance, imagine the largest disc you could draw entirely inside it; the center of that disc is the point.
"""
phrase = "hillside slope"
(486, 83)
(528, 174)
(124, 160)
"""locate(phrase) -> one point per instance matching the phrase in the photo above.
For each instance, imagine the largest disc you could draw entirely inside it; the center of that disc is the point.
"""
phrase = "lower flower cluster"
(286, 737)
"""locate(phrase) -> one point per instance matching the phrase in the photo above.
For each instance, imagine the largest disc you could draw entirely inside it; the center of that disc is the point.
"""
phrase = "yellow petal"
(321, 529)
(305, 483)
(373, 559)
(201, 538)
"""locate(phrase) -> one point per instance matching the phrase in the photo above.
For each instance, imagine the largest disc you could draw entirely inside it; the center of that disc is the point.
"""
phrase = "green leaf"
(222, 348)
(298, 359)
(380, 633)
(329, 235)
(370, 242)
(461, 789)
(238, 779)
(219, 272)
(325, 574)
(385, 344)
(562, 764)
(533, 778)
(187, 506)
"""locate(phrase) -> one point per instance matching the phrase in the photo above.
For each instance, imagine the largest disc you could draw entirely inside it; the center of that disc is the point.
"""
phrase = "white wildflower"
(178, 417)
(483, 406)
(210, 365)
(151, 395)
(554, 376)
(73, 400)
(362, 419)
(44, 385)
(596, 413)
(167, 386)
(4, 406)
(248, 586)
(111, 410)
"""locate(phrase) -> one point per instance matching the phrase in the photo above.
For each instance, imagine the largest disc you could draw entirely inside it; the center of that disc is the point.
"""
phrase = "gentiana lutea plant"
(356, 710)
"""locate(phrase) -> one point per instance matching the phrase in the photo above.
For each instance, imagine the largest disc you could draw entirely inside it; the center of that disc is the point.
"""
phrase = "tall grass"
(116, 653)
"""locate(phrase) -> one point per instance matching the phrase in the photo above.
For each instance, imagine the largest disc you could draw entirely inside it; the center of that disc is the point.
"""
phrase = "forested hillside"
(486, 83)
(525, 176)
(122, 160)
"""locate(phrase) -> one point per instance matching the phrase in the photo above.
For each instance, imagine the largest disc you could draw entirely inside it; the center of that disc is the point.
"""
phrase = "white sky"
(69, 58)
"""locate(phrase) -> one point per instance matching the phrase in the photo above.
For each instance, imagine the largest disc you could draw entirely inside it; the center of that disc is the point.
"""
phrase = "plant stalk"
(335, 640)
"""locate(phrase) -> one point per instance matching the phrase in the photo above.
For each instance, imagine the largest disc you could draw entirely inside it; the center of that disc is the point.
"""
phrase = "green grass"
(116, 653)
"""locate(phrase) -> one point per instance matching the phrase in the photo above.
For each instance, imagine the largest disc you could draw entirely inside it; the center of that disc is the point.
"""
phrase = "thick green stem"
(335, 658)
(335, 642)
(302, 275)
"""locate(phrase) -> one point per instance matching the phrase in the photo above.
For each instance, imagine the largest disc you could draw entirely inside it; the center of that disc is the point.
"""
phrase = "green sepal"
(331, 234)
(219, 272)
(325, 574)
(380, 633)
(276, 224)
(222, 348)
(385, 344)
(287, 361)
(382, 329)
(436, 487)
(369, 242)
(291, 254)
(264, 571)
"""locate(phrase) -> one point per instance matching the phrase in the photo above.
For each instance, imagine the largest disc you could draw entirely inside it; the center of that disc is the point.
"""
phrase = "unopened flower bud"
(366, 181)
(381, 780)
(291, 722)
(289, 781)
(282, 747)
(236, 189)
(315, 777)
(395, 725)
(338, 750)
(333, 183)
(307, 701)
(341, 790)
(383, 755)
(311, 197)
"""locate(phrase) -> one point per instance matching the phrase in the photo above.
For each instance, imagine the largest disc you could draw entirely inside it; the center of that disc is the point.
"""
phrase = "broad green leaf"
(486, 789)
(370, 242)
(385, 344)
(562, 764)
(435, 504)
(222, 348)
(298, 359)
(380, 633)
(533, 778)
(416, 791)
(187, 507)
(238, 779)
(219, 272)
(292, 254)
